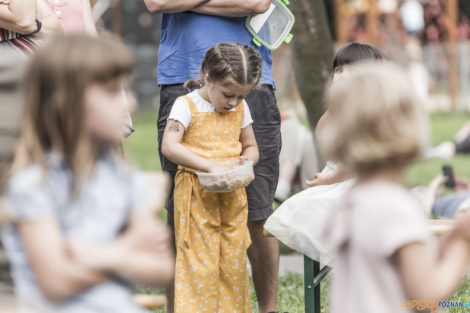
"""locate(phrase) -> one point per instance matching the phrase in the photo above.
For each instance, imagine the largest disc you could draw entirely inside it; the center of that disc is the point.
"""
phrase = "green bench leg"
(312, 292)
(312, 279)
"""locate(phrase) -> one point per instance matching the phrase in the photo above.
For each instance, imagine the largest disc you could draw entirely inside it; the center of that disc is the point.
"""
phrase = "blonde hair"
(55, 85)
(375, 120)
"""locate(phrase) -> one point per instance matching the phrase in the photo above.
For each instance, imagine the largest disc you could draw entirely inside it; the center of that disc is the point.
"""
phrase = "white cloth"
(299, 221)
(182, 113)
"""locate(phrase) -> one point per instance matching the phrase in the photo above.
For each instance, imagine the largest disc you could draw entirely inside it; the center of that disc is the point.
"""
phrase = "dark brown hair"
(238, 62)
(356, 52)
(55, 85)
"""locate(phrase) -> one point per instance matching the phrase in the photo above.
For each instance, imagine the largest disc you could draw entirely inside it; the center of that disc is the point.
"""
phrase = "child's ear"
(207, 80)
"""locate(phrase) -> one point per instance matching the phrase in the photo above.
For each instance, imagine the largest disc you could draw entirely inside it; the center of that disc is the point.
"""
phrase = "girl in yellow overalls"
(206, 128)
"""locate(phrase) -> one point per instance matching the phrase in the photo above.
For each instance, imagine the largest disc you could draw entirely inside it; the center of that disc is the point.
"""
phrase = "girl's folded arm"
(175, 151)
(142, 254)
(145, 267)
(249, 144)
(57, 274)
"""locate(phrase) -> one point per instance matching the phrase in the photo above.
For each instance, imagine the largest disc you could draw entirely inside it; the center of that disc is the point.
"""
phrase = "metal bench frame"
(313, 276)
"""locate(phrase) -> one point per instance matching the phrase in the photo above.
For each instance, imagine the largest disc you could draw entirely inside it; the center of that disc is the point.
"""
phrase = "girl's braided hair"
(238, 62)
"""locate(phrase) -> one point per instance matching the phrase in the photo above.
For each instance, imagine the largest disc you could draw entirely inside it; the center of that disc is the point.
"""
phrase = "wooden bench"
(150, 302)
(314, 274)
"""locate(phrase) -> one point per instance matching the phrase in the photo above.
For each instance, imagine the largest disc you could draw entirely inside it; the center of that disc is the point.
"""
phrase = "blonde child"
(83, 228)
(207, 127)
(288, 222)
(385, 255)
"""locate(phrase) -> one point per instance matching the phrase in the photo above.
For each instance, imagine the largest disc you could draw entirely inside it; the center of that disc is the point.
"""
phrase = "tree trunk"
(313, 53)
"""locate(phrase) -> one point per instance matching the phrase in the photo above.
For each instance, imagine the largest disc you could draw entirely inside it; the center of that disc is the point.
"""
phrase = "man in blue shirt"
(189, 28)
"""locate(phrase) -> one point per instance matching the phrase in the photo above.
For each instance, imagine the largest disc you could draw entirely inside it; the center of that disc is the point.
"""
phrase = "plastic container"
(240, 176)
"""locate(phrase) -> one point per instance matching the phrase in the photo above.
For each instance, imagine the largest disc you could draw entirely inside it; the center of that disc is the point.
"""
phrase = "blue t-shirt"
(187, 36)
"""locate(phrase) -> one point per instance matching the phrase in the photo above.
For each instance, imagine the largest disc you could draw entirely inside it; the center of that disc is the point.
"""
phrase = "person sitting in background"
(449, 148)
(75, 16)
(447, 206)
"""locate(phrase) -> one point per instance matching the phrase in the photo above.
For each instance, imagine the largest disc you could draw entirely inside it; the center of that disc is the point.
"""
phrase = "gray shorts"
(448, 206)
(267, 128)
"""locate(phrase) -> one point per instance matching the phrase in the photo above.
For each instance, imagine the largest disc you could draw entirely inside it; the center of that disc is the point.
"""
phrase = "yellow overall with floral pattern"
(211, 228)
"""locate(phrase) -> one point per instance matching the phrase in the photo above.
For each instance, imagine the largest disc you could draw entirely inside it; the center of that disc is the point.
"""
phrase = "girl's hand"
(243, 158)
(319, 180)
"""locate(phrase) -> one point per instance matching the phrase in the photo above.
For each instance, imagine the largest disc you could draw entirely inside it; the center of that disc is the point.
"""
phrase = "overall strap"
(192, 105)
(241, 107)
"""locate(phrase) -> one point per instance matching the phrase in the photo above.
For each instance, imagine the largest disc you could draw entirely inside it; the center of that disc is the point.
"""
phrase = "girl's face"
(106, 108)
(226, 96)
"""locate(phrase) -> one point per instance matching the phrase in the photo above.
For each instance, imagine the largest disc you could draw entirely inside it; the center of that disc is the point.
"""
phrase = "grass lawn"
(290, 295)
(443, 127)
(141, 148)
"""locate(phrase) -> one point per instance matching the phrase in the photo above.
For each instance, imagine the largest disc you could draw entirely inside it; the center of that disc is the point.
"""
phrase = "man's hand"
(172, 6)
(233, 8)
(229, 8)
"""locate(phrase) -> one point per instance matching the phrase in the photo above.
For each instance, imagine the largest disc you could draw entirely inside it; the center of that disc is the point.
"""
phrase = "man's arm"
(18, 16)
(233, 7)
(172, 6)
(210, 7)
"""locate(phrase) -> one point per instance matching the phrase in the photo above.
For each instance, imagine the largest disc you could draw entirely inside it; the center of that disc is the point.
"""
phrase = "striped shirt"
(11, 41)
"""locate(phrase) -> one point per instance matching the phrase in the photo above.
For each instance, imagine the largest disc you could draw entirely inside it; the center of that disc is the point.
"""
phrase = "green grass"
(444, 126)
(290, 294)
(141, 146)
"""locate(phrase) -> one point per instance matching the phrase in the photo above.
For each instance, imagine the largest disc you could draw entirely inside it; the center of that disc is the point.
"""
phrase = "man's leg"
(264, 259)
(264, 252)
(168, 95)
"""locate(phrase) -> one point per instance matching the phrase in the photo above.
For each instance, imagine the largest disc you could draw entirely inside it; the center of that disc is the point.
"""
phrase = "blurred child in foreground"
(384, 250)
(84, 227)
